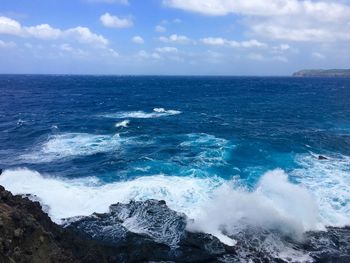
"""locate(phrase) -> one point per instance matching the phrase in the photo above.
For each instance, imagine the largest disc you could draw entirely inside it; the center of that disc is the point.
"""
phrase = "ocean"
(230, 152)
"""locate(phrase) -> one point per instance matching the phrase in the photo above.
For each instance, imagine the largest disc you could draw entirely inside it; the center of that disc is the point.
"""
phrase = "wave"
(329, 182)
(216, 206)
(157, 112)
(275, 204)
(81, 197)
(123, 124)
(73, 144)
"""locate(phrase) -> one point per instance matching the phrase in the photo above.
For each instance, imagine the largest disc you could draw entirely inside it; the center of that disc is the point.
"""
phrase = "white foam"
(68, 198)
(123, 124)
(216, 206)
(329, 181)
(276, 204)
(73, 144)
(157, 112)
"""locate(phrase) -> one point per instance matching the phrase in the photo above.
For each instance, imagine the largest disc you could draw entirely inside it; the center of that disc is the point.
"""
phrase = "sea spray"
(276, 204)
(216, 206)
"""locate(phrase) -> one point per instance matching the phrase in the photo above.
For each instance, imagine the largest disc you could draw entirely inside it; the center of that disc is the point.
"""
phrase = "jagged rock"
(28, 235)
(151, 221)
(146, 232)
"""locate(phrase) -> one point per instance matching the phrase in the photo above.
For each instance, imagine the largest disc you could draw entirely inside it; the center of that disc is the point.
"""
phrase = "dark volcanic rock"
(138, 223)
(148, 232)
(28, 235)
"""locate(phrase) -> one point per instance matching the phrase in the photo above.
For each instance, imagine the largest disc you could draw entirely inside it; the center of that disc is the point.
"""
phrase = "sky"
(173, 37)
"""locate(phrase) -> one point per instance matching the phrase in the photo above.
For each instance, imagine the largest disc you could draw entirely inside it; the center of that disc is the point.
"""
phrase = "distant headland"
(343, 73)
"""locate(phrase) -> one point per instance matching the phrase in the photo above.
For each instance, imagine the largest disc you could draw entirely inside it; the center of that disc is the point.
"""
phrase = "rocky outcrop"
(28, 235)
(151, 225)
(147, 231)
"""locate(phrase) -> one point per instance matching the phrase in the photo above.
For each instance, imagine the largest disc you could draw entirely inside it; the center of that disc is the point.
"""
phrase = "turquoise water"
(240, 147)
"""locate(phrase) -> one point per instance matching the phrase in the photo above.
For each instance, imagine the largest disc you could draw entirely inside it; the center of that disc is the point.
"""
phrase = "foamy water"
(156, 113)
(218, 207)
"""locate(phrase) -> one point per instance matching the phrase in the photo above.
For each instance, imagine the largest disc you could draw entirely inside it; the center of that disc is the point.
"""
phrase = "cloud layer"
(293, 20)
(46, 32)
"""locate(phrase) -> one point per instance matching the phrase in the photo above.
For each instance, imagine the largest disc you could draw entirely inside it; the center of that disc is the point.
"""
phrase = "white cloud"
(167, 50)
(145, 55)
(115, 22)
(256, 56)
(66, 47)
(160, 29)
(218, 41)
(176, 39)
(73, 51)
(4, 44)
(295, 32)
(112, 52)
(84, 35)
(284, 47)
(322, 10)
(138, 40)
(294, 20)
(318, 55)
(43, 31)
(46, 32)
(9, 26)
(214, 41)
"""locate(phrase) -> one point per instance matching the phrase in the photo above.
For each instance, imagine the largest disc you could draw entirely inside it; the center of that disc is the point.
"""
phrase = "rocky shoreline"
(141, 232)
(28, 235)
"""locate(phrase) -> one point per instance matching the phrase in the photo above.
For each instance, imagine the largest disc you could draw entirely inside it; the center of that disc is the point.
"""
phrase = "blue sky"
(186, 37)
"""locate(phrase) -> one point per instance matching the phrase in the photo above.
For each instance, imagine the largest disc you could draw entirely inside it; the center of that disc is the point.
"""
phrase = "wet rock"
(153, 228)
(25, 224)
(147, 232)
(18, 233)
(321, 157)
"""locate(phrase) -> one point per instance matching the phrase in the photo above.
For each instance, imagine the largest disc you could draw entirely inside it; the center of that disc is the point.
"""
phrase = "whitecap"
(156, 113)
(276, 204)
(217, 206)
(329, 181)
(214, 205)
(123, 124)
(81, 197)
(72, 144)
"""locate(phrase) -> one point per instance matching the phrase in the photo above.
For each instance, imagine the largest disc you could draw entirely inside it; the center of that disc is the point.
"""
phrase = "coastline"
(29, 235)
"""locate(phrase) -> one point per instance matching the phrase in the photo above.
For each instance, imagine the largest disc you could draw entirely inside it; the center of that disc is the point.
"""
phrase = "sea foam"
(81, 197)
(215, 205)
(156, 113)
(124, 124)
(72, 144)
(329, 182)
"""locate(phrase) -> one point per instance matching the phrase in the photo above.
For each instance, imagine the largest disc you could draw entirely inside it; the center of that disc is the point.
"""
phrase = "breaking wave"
(156, 113)
(73, 144)
(123, 124)
(217, 206)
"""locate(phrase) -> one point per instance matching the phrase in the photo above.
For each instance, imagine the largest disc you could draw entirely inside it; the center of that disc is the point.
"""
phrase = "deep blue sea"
(220, 149)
